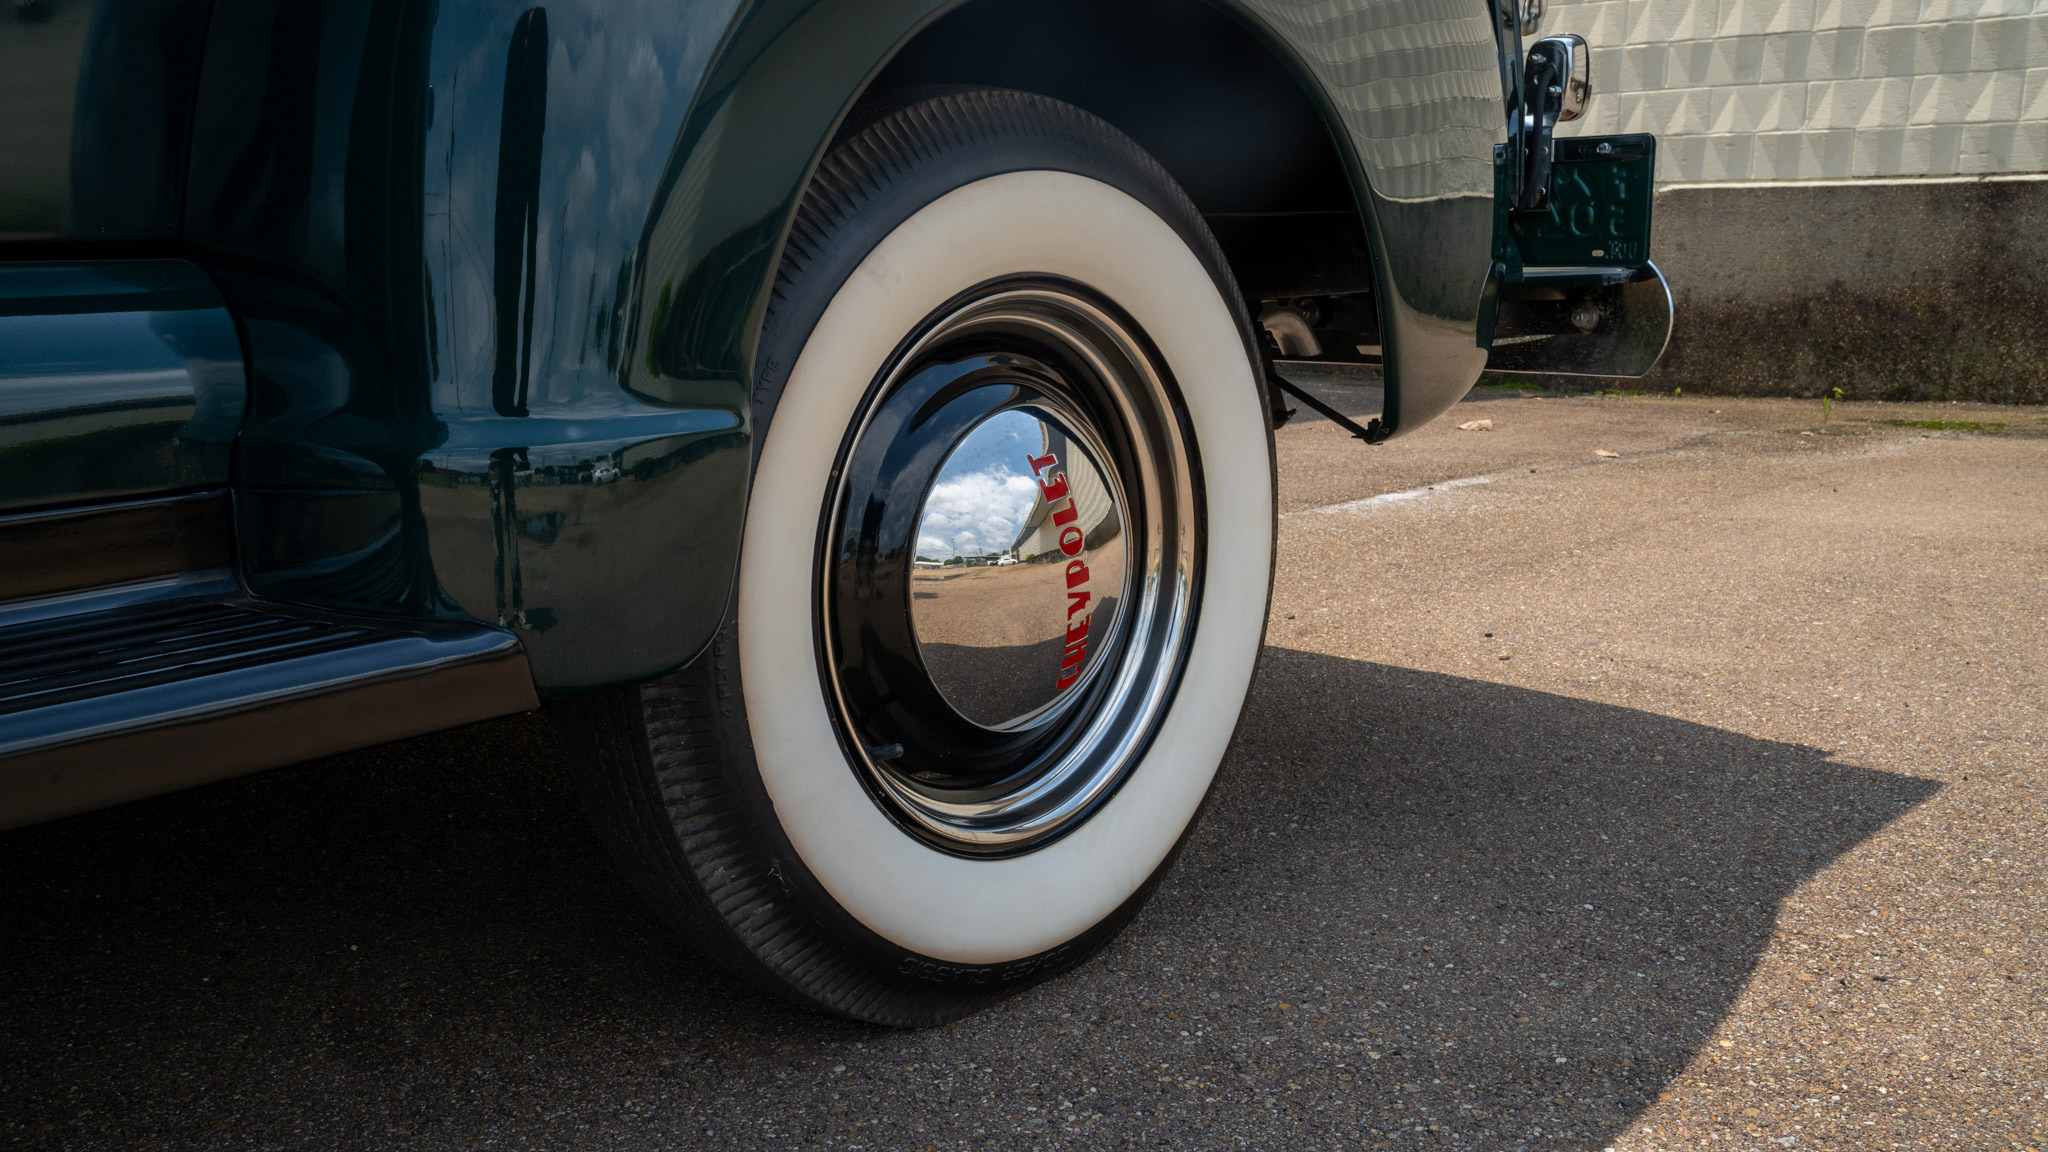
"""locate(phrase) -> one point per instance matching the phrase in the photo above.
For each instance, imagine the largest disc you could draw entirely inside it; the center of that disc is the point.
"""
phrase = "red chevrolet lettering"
(1052, 485)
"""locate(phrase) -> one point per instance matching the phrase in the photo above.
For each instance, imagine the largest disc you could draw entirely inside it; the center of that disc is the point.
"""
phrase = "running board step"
(115, 695)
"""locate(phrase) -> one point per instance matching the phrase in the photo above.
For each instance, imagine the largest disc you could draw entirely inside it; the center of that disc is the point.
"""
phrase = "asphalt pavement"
(1636, 773)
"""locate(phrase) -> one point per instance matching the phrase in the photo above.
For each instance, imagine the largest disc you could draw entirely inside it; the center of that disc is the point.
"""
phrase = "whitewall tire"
(837, 800)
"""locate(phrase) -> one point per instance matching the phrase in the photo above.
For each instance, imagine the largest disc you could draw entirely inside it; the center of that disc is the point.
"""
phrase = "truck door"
(121, 375)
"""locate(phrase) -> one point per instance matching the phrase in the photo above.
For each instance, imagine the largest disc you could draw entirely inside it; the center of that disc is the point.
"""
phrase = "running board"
(118, 694)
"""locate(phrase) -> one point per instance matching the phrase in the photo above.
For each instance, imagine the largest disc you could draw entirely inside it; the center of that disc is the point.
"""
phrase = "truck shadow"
(1534, 909)
(1415, 900)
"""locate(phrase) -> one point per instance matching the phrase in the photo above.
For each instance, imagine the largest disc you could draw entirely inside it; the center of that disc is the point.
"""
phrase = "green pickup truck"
(851, 419)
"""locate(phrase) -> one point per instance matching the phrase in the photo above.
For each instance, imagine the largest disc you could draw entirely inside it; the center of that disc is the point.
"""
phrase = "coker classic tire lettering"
(972, 266)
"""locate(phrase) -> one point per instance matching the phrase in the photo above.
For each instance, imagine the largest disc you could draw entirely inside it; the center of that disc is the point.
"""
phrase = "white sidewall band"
(967, 911)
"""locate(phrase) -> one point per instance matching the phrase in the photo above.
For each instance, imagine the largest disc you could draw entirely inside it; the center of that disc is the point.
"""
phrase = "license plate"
(1601, 189)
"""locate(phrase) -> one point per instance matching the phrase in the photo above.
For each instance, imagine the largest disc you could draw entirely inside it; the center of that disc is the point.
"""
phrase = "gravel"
(1687, 797)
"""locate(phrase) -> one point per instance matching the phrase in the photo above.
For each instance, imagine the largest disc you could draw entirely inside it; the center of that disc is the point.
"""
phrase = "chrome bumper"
(1579, 322)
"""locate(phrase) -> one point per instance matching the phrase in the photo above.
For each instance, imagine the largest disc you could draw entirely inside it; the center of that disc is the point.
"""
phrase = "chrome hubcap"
(1020, 565)
(1009, 568)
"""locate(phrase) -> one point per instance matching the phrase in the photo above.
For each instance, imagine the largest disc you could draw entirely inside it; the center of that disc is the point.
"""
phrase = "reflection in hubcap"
(1011, 561)
(1019, 571)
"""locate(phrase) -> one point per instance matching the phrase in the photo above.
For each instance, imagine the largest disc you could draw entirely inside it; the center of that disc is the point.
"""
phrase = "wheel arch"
(1224, 108)
(1388, 104)
(1223, 102)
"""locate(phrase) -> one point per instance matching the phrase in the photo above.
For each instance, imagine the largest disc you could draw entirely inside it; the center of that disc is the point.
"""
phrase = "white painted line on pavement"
(1390, 498)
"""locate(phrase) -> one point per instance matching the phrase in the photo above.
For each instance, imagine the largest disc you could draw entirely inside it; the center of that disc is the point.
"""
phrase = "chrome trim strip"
(160, 705)
(71, 511)
(211, 582)
(100, 545)
(317, 717)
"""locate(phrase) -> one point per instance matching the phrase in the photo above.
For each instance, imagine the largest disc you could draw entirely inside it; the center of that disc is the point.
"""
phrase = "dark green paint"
(453, 411)
(95, 116)
(499, 270)
(1415, 95)
(117, 380)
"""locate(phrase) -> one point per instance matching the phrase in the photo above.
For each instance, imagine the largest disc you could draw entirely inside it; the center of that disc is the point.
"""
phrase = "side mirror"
(1573, 73)
(1557, 84)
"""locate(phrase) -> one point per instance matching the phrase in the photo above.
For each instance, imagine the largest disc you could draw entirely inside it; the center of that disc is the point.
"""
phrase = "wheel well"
(1196, 89)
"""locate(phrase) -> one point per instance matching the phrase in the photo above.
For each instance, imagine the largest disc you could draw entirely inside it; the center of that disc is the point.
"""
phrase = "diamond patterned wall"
(1820, 89)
